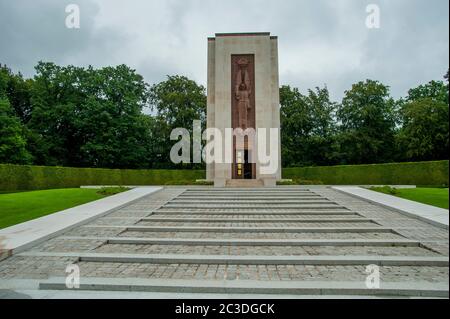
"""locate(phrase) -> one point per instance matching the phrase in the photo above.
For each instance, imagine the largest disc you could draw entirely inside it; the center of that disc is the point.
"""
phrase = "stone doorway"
(242, 168)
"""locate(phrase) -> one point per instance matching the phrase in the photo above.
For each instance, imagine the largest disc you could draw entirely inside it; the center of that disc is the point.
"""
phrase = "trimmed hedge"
(18, 177)
(417, 173)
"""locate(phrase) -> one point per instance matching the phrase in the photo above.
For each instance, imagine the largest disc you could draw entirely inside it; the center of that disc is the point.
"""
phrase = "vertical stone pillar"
(261, 51)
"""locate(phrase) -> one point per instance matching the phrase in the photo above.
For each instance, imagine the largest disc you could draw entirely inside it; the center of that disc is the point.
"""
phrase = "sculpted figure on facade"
(243, 92)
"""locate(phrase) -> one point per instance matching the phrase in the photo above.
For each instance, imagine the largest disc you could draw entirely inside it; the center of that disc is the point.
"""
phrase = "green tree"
(12, 140)
(322, 145)
(158, 147)
(178, 101)
(56, 100)
(89, 117)
(425, 131)
(110, 123)
(307, 127)
(18, 91)
(295, 126)
(435, 90)
(367, 123)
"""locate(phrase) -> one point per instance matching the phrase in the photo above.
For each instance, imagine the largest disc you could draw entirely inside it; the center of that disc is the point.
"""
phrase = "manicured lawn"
(431, 196)
(16, 208)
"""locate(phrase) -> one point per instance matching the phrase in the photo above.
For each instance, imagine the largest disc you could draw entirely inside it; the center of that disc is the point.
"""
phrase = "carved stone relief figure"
(243, 92)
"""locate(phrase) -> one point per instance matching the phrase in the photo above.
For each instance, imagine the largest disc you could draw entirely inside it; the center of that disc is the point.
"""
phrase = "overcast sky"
(320, 42)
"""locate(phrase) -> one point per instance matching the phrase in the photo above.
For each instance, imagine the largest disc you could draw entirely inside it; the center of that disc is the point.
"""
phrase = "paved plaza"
(260, 242)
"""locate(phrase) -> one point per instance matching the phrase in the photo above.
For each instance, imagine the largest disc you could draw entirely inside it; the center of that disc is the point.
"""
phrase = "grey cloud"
(320, 42)
(35, 30)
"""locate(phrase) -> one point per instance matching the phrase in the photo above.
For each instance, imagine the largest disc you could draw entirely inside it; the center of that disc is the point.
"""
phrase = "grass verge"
(432, 196)
(20, 207)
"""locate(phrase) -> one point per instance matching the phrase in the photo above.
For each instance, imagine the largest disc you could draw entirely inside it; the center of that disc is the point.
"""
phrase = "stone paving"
(264, 250)
(262, 235)
(248, 224)
(248, 208)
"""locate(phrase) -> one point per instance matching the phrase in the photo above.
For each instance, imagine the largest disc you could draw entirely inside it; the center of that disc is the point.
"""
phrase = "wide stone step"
(325, 205)
(279, 223)
(91, 242)
(260, 242)
(250, 202)
(244, 183)
(430, 261)
(252, 195)
(277, 190)
(254, 211)
(295, 288)
(261, 217)
(248, 197)
(249, 193)
(262, 229)
(285, 250)
(260, 220)
(121, 231)
(252, 235)
(248, 229)
(252, 246)
(241, 192)
(228, 222)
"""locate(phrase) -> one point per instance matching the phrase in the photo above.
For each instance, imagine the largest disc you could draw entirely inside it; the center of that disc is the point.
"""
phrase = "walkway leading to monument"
(431, 214)
(241, 243)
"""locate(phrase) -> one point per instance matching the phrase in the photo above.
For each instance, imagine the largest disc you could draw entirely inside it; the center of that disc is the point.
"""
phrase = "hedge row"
(417, 173)
(18, 177)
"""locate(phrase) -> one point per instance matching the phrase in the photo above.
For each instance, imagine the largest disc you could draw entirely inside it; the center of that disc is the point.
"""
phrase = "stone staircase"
(244, 183)
(252, 242)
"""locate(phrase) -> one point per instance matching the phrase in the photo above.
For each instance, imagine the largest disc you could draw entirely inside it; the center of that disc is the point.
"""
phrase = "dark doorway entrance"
(248, 174)
(242, 168)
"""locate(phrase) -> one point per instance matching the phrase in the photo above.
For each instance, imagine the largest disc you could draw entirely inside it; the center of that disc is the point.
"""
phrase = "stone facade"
(243, 91)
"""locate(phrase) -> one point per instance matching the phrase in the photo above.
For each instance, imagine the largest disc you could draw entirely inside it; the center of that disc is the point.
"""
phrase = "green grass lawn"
(432, 196)
(16, 208)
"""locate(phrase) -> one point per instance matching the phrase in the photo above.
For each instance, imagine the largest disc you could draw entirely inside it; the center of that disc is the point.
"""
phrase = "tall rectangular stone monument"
(243, 92)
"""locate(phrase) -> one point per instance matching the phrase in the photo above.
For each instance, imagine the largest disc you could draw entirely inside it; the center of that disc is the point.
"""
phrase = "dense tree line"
(83, 117)
(368, 126)
(86, 117)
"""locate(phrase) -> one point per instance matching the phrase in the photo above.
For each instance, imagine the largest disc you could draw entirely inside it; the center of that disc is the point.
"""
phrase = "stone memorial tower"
(243, 93)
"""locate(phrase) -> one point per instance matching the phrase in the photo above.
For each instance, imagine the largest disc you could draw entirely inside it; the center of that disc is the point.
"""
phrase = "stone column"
(264, 49)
